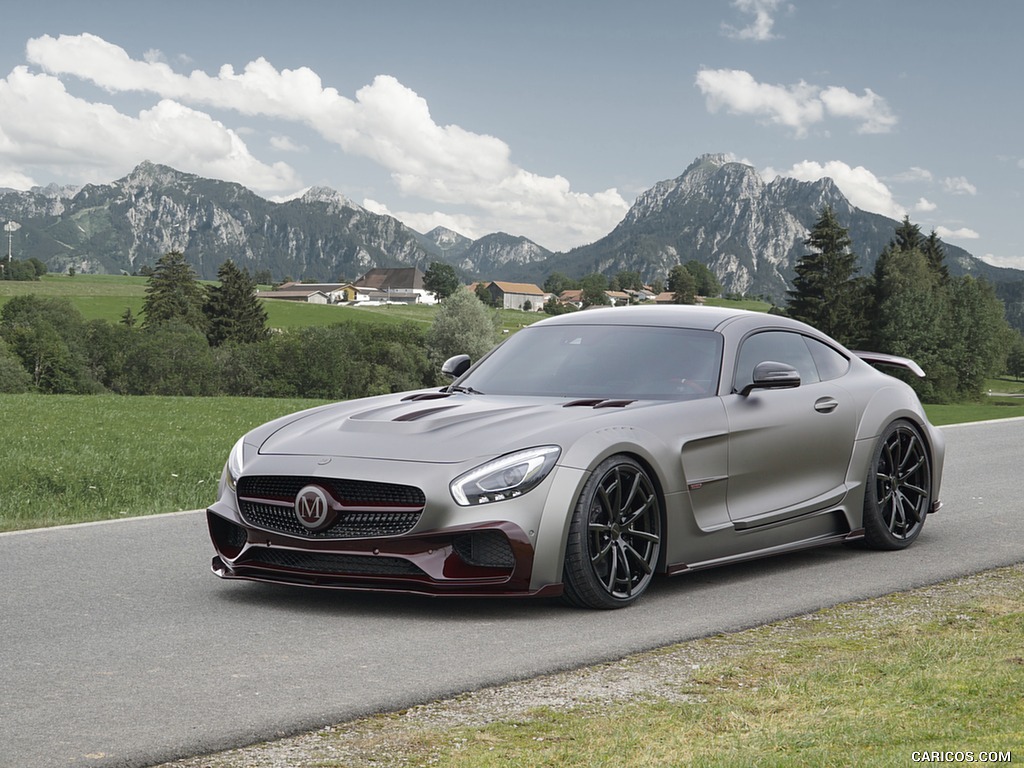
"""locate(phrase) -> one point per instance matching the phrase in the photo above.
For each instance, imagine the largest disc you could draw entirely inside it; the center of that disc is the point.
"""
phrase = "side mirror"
(772, 375)
(455, 366)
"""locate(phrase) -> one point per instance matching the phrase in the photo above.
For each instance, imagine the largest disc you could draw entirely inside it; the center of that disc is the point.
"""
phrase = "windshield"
(602, 361)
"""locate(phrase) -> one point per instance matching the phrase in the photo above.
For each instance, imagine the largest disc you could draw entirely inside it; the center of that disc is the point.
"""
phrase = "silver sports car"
(582, 456)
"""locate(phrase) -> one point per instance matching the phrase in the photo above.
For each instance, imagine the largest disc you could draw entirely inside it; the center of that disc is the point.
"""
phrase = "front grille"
(485, 548)
(268, 502)
(348, 492)
(358, 565)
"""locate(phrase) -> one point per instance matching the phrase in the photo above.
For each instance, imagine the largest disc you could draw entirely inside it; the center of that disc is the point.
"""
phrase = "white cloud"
(959, 185)
(44, 126)
(924, 206)
(861, 187)
(913, 174)
(956, 234)
(285, 144)
(1013, 262)
(760, 27)
(796, 106)
(385, 122)
(871, 110)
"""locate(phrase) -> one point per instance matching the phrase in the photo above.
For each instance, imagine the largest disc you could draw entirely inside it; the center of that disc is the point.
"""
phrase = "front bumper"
(494, 558)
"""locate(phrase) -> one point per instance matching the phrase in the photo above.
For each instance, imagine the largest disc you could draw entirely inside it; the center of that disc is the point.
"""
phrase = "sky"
(544, 119)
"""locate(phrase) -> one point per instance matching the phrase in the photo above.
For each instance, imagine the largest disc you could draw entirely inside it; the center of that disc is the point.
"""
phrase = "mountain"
(749, 232)
(722, 213)
(131, 222)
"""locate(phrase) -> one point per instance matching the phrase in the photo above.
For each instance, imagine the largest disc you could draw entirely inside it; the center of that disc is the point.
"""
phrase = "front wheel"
(899, 488)
(614, 537)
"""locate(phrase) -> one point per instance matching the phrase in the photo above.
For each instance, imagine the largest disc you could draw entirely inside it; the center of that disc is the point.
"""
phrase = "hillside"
(722, 213)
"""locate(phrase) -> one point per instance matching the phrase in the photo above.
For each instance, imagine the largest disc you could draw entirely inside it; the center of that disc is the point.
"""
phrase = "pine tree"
(826, 293)
(233, 312)
(936, 255)
(173, 293)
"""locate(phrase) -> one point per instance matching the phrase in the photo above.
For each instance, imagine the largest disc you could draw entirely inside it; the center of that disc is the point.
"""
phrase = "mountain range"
(719, 212)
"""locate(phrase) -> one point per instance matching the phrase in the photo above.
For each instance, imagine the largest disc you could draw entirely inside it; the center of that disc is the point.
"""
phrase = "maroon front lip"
(432, 564)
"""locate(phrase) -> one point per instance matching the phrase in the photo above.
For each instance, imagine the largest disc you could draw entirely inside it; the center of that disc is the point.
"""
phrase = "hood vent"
(415, 415)
(598, 402)
(427, 396)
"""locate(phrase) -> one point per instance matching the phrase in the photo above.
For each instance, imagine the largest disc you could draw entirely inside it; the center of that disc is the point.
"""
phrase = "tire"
(614, 537)
(898, 492)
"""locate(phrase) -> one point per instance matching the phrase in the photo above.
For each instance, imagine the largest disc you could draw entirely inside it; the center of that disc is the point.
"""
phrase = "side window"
(830, 363)
(779, 347)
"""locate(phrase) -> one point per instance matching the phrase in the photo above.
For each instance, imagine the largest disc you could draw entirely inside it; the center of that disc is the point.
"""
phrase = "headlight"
(233, 469)
(506, 477)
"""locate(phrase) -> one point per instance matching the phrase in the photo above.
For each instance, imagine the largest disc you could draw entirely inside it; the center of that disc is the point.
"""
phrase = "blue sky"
(543, 119)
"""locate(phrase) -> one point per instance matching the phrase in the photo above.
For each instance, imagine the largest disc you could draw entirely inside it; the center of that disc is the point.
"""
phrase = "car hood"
(443, 429)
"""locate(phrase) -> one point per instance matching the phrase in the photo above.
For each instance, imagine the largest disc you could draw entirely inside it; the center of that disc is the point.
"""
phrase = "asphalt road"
(118, 647)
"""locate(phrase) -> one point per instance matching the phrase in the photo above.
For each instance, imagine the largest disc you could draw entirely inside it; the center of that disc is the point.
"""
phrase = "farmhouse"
(296, 292)
(403, 285)
(516, 295)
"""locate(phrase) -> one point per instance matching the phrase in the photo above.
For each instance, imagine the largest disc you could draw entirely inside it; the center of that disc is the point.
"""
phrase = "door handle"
(826, 404)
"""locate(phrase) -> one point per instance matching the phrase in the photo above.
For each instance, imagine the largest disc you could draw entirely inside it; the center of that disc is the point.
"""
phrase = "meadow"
(77, 458)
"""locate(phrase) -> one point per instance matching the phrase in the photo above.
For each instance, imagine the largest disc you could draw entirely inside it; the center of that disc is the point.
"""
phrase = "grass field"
(105, 297)
(76, 458)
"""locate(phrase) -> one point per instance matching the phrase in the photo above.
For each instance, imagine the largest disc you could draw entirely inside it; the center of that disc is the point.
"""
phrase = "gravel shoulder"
(419, 734)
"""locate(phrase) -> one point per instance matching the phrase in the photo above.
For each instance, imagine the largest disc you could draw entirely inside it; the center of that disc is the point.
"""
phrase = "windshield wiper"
(467, 390)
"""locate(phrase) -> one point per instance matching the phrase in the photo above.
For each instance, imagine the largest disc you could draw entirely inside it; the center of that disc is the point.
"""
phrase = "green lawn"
(76, 458)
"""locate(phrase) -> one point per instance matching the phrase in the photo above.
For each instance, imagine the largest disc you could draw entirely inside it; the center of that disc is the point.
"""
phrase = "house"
(296, 293)
(516, 295)
(403, 285)
(572, 296)
(336, 292)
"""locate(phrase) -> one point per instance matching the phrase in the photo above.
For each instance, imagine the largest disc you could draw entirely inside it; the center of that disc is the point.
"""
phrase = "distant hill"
(749, 232)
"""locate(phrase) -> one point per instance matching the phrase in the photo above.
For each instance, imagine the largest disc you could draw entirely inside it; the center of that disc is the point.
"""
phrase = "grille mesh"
(280, 516)
(327, 563)
(485, 548)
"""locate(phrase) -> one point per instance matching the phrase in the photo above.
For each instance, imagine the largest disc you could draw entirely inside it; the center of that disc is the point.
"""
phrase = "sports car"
(583, 456)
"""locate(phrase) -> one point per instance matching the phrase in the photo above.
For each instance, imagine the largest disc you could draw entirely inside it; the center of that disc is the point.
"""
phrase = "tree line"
(954, 328)
(192, 340)
(214, 340)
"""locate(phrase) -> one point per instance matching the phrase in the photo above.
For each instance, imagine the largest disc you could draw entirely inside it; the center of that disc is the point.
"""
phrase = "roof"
(527, 288)
(289, 294)
(669, 315)
(383, 279)
(325, 287)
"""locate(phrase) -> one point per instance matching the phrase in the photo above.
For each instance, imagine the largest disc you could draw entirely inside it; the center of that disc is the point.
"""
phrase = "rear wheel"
(614, 538)
(898, 493)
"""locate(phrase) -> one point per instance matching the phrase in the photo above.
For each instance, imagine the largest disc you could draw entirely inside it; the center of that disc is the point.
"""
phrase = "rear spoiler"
(879, 358)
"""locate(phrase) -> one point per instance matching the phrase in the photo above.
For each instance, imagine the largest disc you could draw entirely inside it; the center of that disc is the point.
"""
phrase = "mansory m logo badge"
(312, 508)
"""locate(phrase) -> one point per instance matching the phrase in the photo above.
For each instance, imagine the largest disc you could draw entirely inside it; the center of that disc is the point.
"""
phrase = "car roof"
(668, 315)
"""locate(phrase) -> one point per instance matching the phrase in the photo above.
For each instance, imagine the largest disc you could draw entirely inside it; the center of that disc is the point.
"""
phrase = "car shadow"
(292, 599)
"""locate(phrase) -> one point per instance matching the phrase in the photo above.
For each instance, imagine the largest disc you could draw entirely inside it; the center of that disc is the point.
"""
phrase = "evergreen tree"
(825, 292)
(173, 293)
(442, 280)
(936, 255)
(233, 312)
(908, 236)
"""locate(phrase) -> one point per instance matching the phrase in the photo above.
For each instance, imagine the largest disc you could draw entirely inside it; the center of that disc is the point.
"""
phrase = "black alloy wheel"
(898, 493)
(614, 538)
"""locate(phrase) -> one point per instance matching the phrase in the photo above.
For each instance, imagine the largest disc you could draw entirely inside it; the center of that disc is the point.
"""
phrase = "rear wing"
(879, 358)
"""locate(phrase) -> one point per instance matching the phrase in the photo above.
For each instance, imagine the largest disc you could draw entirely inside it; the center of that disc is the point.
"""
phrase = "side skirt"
(817, 541)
